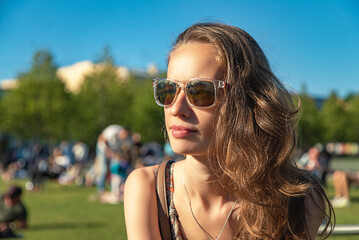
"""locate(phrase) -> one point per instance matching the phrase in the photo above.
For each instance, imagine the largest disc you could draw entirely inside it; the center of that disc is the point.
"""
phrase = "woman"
(234, 122)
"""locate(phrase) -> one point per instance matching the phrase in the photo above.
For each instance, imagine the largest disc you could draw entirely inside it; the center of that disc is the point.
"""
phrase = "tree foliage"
(102, 100)
(41, 107)
(334, 119)
(353, 119)
(148, 116)
(309, 128)
(337, 120)
(106, 99)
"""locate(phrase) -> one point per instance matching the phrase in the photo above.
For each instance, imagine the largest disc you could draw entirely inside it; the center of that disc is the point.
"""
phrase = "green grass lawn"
(67, 212)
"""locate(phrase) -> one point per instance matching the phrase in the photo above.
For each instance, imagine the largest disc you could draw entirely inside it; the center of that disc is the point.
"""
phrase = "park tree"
(353, 118)
(310, 129)
(104, 99)
(2, 113)
(334, 119)
(39, 107)
(147, 116)
(1, 105)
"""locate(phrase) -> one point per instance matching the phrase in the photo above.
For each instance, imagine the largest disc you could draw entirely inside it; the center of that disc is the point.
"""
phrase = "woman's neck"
(200, 181)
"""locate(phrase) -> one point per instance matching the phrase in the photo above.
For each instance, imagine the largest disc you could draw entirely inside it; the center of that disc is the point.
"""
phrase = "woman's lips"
(180, 132)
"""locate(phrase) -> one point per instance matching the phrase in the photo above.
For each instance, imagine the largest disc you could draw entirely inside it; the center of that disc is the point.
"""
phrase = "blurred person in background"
(324, 159)
(57, 163)
(81, 157)
(66, 150)
(38, 167)
(136, 160)
(99, 171)
(151, 153)
(73, 172)
(310, 162)
(119, 166)
(342, 181)
(13, 213)
(4, 143)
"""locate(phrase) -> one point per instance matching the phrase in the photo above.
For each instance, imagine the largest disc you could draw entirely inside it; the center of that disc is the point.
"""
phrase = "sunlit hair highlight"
(255, 137)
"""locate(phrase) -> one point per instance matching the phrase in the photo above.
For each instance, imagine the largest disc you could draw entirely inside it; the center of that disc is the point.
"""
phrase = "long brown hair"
(252, 148)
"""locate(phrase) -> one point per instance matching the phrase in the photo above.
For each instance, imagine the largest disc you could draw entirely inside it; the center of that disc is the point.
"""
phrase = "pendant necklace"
(203, 230)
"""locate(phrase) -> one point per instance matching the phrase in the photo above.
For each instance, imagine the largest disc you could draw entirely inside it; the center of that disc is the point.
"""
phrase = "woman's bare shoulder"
(144, 175)
(140, 184)
(141, 205)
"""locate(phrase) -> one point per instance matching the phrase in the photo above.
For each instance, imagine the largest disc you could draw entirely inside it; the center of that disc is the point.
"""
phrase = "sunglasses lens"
(201, 93)
(165, 92)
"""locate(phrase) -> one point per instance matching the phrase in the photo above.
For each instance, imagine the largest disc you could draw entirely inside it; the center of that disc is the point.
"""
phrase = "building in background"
(74, 75)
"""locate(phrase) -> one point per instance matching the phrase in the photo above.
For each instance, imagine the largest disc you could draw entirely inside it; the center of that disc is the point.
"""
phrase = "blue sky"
(315, 43)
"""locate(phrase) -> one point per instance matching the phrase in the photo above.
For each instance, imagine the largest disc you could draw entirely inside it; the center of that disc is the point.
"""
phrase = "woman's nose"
(181, 106)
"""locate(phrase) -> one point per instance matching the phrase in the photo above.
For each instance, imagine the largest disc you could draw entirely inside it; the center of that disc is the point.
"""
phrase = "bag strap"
(163, 218)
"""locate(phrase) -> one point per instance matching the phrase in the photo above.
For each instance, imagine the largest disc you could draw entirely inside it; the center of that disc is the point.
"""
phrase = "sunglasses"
(200, 92)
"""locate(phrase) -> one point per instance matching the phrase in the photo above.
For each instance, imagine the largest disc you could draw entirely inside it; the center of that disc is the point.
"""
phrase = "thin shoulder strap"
(163, 218)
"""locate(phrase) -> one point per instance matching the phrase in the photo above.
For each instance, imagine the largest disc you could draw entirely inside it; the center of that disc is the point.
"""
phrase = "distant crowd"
(117, 153)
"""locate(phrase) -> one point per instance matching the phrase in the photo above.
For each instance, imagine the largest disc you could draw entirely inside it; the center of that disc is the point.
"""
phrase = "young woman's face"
(190, 129)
